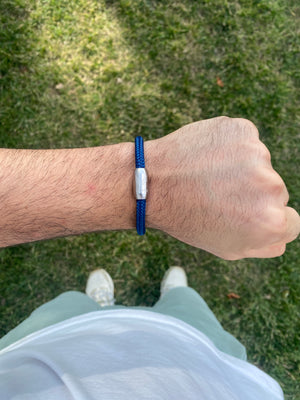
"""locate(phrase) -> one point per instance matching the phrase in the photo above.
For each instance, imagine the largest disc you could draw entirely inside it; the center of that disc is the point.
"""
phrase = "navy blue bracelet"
(140, 185)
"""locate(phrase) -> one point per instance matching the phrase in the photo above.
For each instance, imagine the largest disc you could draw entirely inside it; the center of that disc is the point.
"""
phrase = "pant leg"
(66, 305)
(182, 303)
(186, 304)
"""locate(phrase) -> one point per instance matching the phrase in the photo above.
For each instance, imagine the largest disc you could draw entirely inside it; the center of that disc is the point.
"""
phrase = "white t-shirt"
(127, 354)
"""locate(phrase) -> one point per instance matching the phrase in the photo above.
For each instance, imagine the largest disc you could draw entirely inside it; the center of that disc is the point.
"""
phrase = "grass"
(85, 73)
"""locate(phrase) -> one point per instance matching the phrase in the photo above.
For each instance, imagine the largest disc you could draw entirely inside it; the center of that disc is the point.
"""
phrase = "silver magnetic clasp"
(140, 183)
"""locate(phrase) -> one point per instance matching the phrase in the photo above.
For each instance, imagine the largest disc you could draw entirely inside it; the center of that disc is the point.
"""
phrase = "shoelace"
(103, 297)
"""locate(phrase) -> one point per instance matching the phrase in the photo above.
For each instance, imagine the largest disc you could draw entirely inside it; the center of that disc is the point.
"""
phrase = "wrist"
(118, 212)
(156, 170)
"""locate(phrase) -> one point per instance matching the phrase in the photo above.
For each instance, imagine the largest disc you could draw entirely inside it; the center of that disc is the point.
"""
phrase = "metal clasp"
(140, 183)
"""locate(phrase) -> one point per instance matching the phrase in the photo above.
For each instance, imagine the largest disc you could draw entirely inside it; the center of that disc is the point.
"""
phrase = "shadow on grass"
(17, 60)
(16, 39)
(33, 112)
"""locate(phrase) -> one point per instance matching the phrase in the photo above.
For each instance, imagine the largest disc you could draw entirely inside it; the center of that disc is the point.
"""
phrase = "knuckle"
(278, 188)
(247, 127)
(257, 152)
(273, 185)
(224, 122)
(278, 222)
(264, 152)
(224, 118)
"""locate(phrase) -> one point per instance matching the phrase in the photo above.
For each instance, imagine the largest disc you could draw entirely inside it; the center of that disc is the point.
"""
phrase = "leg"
(67, 305)
(186, 304)
(100, 293)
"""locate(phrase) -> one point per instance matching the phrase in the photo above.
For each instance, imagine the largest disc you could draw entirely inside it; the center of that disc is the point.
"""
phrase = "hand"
(212, 185)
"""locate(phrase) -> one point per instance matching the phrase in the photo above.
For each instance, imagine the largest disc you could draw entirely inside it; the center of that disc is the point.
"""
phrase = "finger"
(282, 226)
(268, 252)
(277, 249)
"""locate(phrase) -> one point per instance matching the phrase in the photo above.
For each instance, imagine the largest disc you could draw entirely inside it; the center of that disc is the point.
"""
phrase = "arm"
(211, 185)
(51, 193)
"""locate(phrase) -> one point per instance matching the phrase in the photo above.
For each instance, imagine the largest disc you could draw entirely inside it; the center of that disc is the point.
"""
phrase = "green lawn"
(91, 72)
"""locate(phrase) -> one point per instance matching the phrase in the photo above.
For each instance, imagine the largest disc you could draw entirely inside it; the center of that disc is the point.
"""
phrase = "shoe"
(100, 288)
(174, 277)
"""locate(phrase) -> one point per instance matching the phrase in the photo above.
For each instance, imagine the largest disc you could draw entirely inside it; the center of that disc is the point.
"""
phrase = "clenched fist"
(212, 185)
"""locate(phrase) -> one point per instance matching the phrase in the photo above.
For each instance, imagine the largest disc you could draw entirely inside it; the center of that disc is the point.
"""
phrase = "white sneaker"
(100, 288)
(174, 277)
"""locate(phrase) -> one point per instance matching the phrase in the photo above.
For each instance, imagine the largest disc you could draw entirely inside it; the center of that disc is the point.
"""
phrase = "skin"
(211, 185)
(51, 193)
(214, 188)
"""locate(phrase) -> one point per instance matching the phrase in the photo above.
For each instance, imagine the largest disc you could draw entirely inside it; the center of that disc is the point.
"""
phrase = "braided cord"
(140, 204)
(139, 152)
(140, 217)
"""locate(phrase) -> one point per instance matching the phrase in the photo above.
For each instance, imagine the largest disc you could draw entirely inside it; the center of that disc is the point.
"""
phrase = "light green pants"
(183, 303)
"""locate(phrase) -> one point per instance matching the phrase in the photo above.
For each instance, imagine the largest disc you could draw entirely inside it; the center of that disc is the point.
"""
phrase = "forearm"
(52, 193)
(210, 184)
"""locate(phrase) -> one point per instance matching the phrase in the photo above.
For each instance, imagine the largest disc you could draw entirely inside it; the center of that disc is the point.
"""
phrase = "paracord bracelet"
(140, 185)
